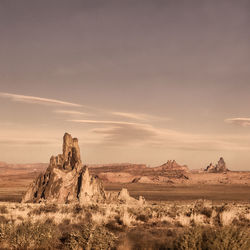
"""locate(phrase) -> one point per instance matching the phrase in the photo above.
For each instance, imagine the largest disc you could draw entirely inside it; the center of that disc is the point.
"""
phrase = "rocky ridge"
(170, 172)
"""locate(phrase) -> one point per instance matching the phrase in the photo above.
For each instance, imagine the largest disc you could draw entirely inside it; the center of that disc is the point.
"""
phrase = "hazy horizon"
(135, 81)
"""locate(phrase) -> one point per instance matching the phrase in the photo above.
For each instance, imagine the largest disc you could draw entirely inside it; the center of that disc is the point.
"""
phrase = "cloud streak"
(138, 116)
(27, 141)
(244, 122)
(37, 100)
(105, 122)
(149, 136)
(70, 112)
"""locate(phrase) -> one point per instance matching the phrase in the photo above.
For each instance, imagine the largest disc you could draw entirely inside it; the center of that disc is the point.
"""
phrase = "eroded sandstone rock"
(124, 197)
(66, 180)
(219, 168)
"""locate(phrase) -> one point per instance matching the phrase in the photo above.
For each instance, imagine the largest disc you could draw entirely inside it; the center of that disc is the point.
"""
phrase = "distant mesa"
(220, 167)
(169, 173)
(66, 180)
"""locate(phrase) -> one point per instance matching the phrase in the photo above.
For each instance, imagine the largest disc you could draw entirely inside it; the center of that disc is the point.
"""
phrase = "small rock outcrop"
(219, 168)
(66, 180)
(210, 168)
(124, 197)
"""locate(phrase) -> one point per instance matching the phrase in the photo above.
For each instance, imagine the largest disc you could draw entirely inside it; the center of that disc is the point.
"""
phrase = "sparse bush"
(115, 226)
(29, 236)
(89, 236)
(213, 238)
(77, 237)
(3, 209)
(142, 217)
(207, 212)
(143, 239)
(20, 218)
(77, 209)
(48, 208)
(3, 220)
(65, 210)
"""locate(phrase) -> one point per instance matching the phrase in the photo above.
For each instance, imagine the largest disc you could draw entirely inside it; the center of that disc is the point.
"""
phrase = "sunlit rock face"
(66, 180)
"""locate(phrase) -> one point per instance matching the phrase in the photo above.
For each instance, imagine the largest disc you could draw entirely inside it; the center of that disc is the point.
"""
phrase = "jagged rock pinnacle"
(66, 179)
(219, 168)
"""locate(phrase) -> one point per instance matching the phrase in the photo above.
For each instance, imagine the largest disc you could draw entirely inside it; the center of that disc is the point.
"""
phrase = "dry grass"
(189, 225)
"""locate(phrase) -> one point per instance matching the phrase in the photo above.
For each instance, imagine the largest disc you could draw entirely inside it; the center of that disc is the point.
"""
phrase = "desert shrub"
(48, 208)
(66, 221)
(173, 211)
(189, 213)
(242, 221)
(103, 239)
(142, 239)
(77, 209)
(3, 220)
(94, 207)
(231, 238)
(77, 237)
(20, 218)
(87, 235)
(88, 217)
(115, 225)
(213, 238)
(142, 217)
(29, 236)
(191, 239)
(3, 209)
(206, 211)
(65, 210)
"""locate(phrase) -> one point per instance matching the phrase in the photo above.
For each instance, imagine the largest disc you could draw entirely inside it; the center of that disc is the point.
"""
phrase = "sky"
(142, 81)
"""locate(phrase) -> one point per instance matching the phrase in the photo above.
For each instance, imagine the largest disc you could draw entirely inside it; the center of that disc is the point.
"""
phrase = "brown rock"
(66, 179)
(124, 197)
(219, 168)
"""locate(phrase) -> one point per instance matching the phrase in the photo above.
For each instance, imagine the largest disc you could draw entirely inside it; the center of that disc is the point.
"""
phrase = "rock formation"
(219, 168)
(66, 179)
(124, 197)
(172, 166)
(210, 168)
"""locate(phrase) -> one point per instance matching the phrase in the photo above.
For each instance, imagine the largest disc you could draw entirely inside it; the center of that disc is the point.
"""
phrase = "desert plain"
(184, 209)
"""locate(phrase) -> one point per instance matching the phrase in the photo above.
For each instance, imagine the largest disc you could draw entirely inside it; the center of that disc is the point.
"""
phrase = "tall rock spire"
(66, 179)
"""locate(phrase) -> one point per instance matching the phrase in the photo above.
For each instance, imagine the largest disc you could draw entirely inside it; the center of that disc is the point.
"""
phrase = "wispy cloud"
(125, 133)
(244, 122)
(27, 141)
(38, 100)
(104, 122)
(148, 136)
(139, 116)
(70, 112)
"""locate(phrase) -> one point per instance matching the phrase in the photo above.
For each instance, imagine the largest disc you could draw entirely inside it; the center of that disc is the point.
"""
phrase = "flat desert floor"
(153, 192)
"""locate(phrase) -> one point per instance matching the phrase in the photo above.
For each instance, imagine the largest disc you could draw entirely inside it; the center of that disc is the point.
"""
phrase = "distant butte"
(170, 172)
(219, 168)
